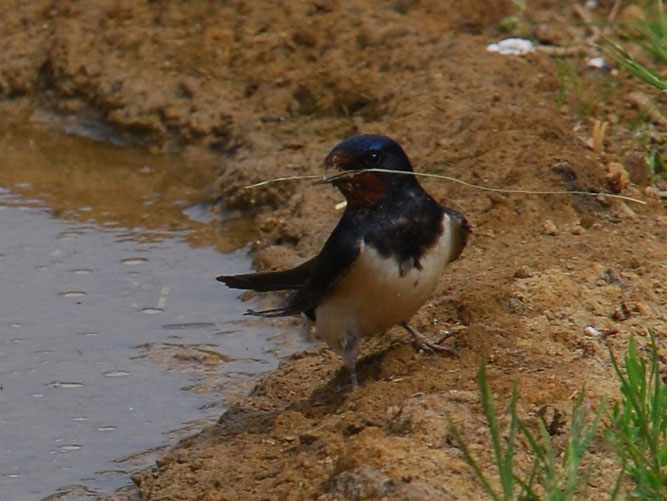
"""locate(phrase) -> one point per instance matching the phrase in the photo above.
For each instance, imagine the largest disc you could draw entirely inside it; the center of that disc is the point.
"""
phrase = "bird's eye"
(373, 159)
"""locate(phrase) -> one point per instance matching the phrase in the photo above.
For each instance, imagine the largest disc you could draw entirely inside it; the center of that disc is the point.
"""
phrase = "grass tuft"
(639, 422)
(637, 430)
(653, 40)
(559, 479)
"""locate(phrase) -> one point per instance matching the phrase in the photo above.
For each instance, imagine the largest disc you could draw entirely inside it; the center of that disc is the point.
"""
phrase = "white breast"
(373, 296)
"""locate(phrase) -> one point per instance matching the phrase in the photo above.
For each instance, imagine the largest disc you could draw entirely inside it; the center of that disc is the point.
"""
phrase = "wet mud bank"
(270, 89)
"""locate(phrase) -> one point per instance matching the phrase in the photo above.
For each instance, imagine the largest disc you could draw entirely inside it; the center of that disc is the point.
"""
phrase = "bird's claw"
(435, 347)
(421, 342)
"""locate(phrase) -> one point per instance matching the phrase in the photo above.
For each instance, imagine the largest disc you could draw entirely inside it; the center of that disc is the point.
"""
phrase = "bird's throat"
(362, 190)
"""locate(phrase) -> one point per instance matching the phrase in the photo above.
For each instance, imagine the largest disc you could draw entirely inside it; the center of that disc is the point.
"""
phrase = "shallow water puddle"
(108, 311)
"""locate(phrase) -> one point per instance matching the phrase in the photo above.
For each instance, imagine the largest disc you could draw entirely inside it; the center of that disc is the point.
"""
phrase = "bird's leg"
(426, 344)
(350, 354)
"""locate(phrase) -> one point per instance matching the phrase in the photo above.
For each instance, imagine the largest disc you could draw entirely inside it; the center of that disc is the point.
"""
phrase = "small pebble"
(577, 229)
(617, 177)
(549, 228)
(592, 331)
(652, 192)
(512, 47)
(523, 272)
(621, 313)
(599, 64)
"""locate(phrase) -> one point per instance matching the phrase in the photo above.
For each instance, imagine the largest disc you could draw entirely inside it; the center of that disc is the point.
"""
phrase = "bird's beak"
(338, 160)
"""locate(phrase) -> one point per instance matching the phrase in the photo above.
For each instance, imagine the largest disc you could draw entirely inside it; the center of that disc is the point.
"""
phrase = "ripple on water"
(88, 334)
(64, 384)
(151, 311)
(133, 261)
(189, 325)
(82, 271)
(70, 234)
(116, 374)
(69, 447)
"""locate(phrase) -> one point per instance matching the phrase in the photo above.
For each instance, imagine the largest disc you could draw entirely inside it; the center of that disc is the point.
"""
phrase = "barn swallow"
(383, 259)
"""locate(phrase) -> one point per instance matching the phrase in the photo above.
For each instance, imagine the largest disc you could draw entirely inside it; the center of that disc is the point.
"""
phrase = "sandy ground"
(272, 89)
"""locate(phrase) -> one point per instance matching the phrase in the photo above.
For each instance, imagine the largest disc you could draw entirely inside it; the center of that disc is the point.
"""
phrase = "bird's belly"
(373, 295)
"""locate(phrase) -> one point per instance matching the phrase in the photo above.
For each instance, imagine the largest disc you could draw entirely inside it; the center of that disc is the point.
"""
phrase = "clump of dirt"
(273, 88)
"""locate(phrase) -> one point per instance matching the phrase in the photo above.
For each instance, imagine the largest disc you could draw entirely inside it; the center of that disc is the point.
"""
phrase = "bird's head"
(369, 151)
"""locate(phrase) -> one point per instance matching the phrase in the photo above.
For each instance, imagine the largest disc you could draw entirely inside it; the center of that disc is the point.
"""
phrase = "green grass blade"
(507, 473)
(619, 55)
(639, 422)
(494, 429)
(528, 492)
(619, 482)
(471, 461)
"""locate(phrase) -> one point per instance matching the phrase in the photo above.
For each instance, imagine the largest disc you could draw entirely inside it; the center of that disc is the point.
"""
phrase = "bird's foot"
(423, 343)
(350, 353)
(354, 378)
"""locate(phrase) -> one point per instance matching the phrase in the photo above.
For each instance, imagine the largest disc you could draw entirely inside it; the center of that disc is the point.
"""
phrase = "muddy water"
(114, 337)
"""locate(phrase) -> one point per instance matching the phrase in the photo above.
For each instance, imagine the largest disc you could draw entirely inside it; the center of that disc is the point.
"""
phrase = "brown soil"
(273, 86)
